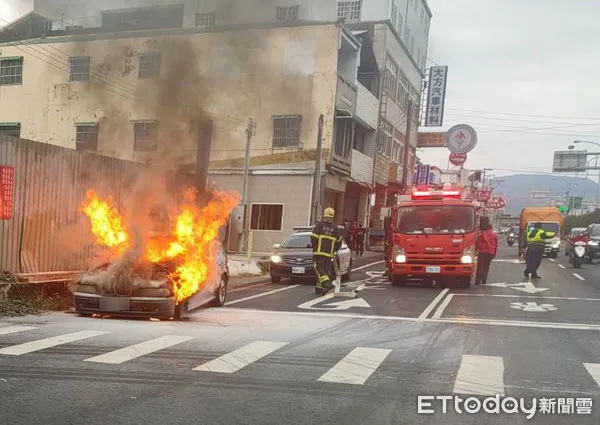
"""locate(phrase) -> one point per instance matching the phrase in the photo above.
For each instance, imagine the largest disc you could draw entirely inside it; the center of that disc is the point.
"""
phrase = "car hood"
(295, 252)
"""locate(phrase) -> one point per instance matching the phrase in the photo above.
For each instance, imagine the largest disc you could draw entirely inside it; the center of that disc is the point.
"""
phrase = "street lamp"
(596, 165)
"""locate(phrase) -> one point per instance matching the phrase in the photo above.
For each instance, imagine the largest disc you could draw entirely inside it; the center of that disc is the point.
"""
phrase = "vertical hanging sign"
(436, 95)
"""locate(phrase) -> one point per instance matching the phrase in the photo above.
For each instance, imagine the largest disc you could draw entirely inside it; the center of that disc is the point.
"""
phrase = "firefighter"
(326, 240)
(536, 243)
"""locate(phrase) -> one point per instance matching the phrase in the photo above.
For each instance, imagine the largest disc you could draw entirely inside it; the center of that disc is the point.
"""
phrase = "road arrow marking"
(373, 275)
(527, 287)
(533, 306)
(340, 305)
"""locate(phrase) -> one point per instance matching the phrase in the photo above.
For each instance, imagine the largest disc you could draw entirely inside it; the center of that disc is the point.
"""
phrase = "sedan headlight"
(556, 245)
(399, 254)
(276, 259)
(467, 257)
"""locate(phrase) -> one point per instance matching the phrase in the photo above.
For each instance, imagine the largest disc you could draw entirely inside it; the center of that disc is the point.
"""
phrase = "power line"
(524, 115)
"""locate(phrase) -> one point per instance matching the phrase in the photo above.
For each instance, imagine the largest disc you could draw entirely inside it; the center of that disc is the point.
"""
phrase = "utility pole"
(316, 190)
(245, 203)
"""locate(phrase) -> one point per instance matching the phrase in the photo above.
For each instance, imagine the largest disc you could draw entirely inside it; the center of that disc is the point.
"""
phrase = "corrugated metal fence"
(48, 232)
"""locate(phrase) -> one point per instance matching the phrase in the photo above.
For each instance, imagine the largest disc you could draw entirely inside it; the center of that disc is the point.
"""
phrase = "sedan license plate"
(298, 270)
(433, 269)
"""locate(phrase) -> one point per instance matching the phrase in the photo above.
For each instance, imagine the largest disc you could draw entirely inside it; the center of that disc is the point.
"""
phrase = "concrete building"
(141, 79)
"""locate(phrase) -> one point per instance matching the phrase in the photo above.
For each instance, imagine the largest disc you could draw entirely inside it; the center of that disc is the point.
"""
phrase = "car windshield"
(550, 227)
(443, 219)
(577, 231)
(297, 241)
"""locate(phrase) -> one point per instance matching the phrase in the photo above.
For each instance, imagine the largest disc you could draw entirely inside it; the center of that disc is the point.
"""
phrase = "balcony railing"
(346, 94)
(362, 167)
(367, 106)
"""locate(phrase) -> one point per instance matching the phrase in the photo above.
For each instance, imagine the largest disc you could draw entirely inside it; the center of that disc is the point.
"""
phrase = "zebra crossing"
(476, 375)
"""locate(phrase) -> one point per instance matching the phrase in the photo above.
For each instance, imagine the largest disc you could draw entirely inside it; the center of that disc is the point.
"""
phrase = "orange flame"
(194, 234)
(106, 223)
(191, 242)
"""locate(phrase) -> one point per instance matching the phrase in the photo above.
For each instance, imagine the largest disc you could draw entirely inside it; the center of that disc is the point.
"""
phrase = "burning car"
(146, 290)
(178, 266)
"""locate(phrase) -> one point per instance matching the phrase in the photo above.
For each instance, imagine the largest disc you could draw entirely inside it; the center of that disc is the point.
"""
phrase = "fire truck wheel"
(398, 280)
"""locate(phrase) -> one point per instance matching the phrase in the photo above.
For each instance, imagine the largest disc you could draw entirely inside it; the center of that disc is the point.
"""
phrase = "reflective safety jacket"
(539, 236)
(326, 239)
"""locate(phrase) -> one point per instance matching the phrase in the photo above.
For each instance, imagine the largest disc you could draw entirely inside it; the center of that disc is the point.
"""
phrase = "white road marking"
(480, 375)
(551, 260)
(264, 294)
(594, 370)
(561, 266)
(526, 296)
(456, 321)
(41, 344)
(356, 367)
(243, 288)
(438, 313)
(138, 350)
(14, 329)
(432, 305)
(519, 323)
(578, 276)
(240, 358)
(366, 266)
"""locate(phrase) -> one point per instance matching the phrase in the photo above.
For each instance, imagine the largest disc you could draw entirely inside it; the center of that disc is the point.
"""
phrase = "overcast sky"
(516, 66)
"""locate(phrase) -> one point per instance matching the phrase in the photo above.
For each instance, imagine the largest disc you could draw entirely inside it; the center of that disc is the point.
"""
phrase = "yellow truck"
(552, 221)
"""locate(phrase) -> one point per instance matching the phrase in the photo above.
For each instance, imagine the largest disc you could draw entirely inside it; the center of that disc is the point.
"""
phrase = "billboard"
(431, 140)
(422, 175)
(436, 95)
(571, 161)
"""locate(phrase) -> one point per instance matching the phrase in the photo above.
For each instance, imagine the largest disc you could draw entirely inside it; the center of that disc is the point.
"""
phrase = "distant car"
(294, 259)
(147, 298)
(573, 233)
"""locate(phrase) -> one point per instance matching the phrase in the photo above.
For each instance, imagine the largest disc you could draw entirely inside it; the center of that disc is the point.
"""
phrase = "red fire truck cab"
(433, 238)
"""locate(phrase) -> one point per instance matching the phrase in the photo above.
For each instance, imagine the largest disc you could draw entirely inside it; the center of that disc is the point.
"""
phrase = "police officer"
(326, 240)
(536, 243)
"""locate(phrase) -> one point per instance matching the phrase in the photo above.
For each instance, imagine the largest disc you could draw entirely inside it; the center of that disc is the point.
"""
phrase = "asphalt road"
(276, 354)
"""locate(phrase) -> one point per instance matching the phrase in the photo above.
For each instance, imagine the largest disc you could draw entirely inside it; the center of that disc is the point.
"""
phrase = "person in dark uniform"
(326, 240)
(361, 232)
(536, 243)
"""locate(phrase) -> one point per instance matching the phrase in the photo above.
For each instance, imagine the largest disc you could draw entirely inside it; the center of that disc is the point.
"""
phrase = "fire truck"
(433, 235)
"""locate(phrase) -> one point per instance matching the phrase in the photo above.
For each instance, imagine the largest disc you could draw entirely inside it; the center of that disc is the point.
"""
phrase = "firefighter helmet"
(329, 213)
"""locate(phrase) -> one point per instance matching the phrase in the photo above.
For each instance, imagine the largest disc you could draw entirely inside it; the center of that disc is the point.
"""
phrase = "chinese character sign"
(434, 114)
(7, 176)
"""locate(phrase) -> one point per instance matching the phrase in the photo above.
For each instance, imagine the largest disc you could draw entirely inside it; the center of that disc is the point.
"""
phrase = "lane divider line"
(432, 304)
(561, 266)
(366, 266)
(438, 313)
(551, 260)
(578, 276)
(480, 375)
(357, 366)
(264, 294)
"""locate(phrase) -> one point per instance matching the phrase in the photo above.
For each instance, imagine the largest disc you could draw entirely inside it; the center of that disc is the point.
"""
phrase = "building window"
(287, 13)
(399, 141)
(144, 136)
(205, 20)
(384, 146)
(391, 77)
(86, 137)
(11, 71)
(266, 217)
(79, 68)
(349, 10)
(286, 131)
(402, 94)
(149, 65)
(10, 129)
(344, 137)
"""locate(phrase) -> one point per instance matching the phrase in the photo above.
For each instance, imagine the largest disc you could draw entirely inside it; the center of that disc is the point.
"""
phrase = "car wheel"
(220, 293)
(275, 279)
(348, 274)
